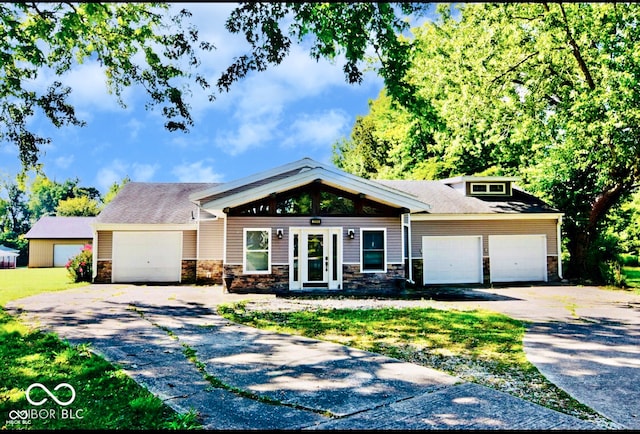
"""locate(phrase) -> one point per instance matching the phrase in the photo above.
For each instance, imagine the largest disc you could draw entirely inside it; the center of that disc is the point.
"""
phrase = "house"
(8, 257)
(53, 240)
(308, 226)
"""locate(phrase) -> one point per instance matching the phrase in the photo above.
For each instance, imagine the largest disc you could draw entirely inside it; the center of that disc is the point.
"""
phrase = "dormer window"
(496, 188)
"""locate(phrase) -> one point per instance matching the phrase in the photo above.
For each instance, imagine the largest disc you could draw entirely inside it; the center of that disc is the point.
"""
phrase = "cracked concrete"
(310, 384)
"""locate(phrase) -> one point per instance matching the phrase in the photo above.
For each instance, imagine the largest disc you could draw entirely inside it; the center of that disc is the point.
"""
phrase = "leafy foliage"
(348, 28)
(135, 43)
(546, 91)
(78, 206)
(80, 266)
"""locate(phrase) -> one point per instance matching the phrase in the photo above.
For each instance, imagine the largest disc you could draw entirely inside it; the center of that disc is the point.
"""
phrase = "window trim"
(244, 251)
(385, 249)
(488, 186)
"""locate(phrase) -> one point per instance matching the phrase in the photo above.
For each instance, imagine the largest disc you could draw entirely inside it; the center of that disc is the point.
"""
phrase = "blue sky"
(297, 109)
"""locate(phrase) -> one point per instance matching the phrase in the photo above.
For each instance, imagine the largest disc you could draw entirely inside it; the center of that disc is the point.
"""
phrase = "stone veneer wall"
(356, 281)
(188, 274)
(209, 272)
(552, 269)
(103, 272)
(277, 281)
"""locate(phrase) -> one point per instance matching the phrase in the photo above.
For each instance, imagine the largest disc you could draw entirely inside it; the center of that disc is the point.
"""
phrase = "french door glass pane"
(315, 258)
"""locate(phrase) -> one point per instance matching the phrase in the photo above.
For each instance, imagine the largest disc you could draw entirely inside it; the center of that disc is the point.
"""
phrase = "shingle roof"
(62, 227)
(445, 200)
(153, 203)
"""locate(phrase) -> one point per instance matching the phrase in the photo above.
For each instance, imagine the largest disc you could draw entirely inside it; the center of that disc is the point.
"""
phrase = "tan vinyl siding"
(211, 243)
(189, 244)
(280, 248)
(41, 251)
(105, 245)
(485, 228)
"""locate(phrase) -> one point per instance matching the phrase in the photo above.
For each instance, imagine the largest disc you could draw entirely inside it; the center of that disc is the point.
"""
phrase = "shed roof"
(61, 227)
(445, 200)
(153, 203)
(8, 251)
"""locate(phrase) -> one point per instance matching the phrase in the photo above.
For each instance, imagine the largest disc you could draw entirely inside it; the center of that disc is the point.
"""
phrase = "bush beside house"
(80, 266)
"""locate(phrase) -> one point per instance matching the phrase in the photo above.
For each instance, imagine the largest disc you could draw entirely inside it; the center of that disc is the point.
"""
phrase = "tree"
(135, 43)
(140, 44)
(548, 91)
(78, 206)
(334, 28)
(46, 196)
(17, 214)
(392, 142)
(114, 189)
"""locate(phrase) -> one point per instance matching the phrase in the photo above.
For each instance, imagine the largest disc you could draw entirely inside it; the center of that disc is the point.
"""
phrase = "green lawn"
(106, 398)
(632, 276)
(23, 282)
(478, 346)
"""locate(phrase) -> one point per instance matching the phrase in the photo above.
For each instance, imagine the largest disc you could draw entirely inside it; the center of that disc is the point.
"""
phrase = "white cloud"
(317, 130)
(64, 161)
(118, 169)
(134, 126)
(143, 172)
(196, 172)
(248, 135)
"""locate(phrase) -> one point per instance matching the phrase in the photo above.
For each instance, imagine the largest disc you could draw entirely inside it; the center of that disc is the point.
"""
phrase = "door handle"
(326, 263)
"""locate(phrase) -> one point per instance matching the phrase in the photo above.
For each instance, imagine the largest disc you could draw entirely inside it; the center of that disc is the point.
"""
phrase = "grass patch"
(632, 276)
(477, 346)
(24, 282)
(106, 398)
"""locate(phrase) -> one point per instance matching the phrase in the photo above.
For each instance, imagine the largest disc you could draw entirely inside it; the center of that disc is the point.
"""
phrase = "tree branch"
(576, 50)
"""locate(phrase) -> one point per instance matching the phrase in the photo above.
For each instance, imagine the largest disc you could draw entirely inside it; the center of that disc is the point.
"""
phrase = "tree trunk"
(583, 236)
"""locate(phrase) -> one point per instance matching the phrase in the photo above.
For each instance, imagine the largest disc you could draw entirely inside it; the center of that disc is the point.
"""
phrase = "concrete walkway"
(585, 340)
(245, 378)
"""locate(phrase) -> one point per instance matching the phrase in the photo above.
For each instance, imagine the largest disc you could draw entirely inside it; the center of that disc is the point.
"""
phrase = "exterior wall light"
(279, 233)
(351, 233)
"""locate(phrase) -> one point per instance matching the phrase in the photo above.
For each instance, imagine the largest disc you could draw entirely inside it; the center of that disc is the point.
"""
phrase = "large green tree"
(549, 91)
(45, 196)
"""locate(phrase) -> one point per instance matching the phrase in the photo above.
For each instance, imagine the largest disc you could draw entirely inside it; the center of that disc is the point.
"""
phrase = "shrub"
(629, 260)
(80, 266)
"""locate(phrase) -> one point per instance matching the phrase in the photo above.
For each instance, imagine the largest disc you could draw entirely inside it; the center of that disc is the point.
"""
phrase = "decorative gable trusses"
(297, 174)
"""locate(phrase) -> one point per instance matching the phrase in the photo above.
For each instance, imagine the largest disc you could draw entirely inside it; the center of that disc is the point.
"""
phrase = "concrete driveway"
(307, 384)
(585, 340)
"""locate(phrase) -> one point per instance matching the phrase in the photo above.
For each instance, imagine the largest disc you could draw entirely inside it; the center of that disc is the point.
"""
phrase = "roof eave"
(353, 184)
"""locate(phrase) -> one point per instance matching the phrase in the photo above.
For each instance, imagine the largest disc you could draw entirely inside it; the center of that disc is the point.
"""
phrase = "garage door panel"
(452, 259)
(147, 256)
(518, 258)
(63, 252)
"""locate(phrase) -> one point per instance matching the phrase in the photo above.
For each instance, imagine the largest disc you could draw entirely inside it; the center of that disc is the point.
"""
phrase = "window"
(373, 250)
(489, 188)
(257, 251)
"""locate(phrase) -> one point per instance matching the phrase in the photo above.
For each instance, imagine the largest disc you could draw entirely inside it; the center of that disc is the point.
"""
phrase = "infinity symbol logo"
(48, 392)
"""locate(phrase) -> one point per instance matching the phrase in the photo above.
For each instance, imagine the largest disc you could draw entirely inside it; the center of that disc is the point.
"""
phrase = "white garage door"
(147, 256)
(518, 258)
(452, 259)
(63, 252)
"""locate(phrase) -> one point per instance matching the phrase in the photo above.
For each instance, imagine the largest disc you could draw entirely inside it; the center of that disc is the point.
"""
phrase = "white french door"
(315, 258)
